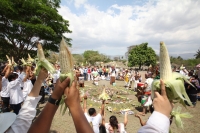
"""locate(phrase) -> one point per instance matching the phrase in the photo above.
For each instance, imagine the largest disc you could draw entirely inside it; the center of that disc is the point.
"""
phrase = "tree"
(24, 23)
(78, 58)
(180, 58)
(141, 55)
(197, 55)
(94, 56)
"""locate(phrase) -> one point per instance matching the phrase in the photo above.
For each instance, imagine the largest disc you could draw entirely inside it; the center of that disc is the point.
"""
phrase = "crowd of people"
(21, 91)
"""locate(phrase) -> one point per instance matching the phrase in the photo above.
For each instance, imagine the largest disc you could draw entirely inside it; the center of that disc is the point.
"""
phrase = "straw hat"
(6, 120)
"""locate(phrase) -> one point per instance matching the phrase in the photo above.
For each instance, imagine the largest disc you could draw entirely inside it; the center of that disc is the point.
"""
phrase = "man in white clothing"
(93, 118)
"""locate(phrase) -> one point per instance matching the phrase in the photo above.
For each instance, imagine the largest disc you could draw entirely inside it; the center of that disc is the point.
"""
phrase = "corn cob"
(42, 62)
(104, 95)
(13, 62)
(30, 60)
(165, 65)
(174, 82)
(66, 65)
(9, 60)
(66, 62)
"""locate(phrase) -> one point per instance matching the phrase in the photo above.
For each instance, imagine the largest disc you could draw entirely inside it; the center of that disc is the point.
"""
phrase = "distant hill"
(184, 56)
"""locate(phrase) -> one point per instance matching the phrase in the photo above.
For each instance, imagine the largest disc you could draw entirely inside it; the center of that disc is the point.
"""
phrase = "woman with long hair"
(114, 126)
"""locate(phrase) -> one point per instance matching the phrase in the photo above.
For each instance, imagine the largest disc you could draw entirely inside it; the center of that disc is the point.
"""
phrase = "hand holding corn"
(174, 82)
(161, 102)
(66, 65)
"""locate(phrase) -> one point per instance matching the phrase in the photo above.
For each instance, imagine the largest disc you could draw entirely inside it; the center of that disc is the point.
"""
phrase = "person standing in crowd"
(93, 118)
(191, 90)
(112, 75)
(95, 76)
(136, 79)
(107, 71)
(85, 73)
(126, 78)
(89, 73)
(5, 93)
(100, 71)
(81, 71)
(16, 95)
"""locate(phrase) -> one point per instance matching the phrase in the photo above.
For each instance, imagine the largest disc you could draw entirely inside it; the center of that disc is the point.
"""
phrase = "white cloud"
(112, 31)
(78, 3)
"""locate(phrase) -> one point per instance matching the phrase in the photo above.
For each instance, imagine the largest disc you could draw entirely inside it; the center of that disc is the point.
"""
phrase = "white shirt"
(5, 90)
(81, 70)
(27, 88)
(149, 82)
(157, 123)
(16, 95)
(22, 76)
(25, 116)
(56, 75)
(120, 128)
(95, 121)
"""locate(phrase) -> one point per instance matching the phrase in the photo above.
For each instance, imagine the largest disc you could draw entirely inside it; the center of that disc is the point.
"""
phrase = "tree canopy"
(24, 23)
(91, 57)
(141, 55)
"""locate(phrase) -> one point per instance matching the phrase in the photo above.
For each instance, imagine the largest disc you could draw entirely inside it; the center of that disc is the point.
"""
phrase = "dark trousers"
(42, 93)
(16, 108)
(6, 102)
(106, 74)
(100, 73)
(85, 76)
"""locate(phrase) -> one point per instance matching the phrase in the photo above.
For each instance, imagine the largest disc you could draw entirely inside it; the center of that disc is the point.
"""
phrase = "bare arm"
(49, 110)
(141, 121)
(103, 118)
(102, 107)
(73, 102)
(7, 71)
(5, 68)
(125, 118)
(37, 86)
(85, 104)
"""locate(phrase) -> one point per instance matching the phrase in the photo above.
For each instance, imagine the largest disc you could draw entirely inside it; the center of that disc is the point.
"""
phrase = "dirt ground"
(64, 124)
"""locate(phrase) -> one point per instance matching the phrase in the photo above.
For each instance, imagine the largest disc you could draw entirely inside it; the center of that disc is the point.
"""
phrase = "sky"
(110, 26)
